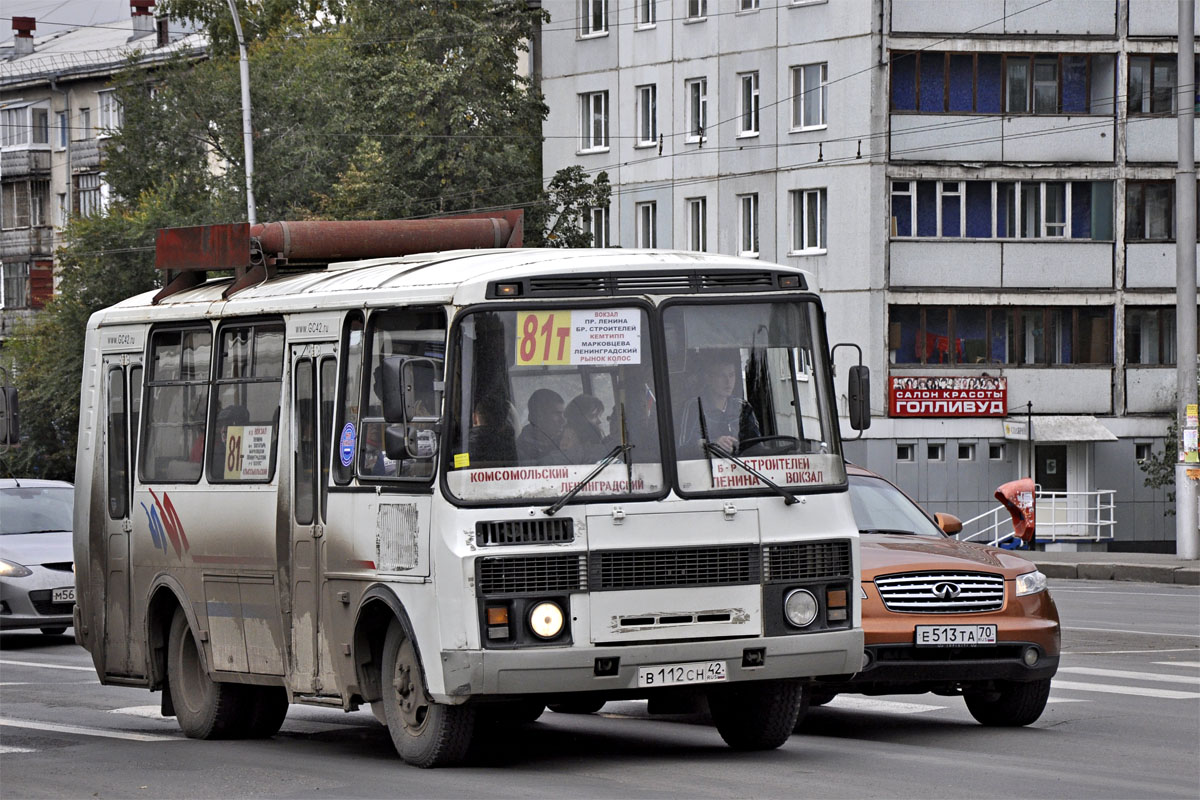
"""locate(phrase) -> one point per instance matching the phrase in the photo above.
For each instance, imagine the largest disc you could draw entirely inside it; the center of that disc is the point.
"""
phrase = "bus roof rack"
(256, 253)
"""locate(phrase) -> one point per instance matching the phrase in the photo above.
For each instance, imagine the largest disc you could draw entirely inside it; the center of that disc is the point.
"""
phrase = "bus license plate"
(64, 595)
(955, 635)
(677, 674)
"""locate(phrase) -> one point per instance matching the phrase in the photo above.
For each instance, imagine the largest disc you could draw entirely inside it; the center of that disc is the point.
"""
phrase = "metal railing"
(1061, 517)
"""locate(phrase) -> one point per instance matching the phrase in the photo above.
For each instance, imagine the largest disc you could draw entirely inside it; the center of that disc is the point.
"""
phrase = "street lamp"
(247, 130)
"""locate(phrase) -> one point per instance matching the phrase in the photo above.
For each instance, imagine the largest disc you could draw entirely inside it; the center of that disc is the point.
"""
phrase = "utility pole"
(1187, 537)
(247, 130)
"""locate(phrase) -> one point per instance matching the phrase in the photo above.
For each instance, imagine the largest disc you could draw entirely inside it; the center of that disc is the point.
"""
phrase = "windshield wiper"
(716, 450)
(617, 450)
(890, 531)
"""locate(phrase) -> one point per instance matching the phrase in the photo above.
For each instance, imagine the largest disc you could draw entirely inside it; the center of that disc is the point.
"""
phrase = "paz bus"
(462, 485)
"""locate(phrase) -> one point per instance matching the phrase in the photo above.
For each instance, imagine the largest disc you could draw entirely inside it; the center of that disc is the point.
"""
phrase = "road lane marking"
(6, 749)
(1168, 694)
(1127, 652)
(147, 712)
(1138, 676)
(1194, 664)
(46, 666)
(1123, 593)
(854, 703)
(81, 731)
(1067, 700)
(1143, 633)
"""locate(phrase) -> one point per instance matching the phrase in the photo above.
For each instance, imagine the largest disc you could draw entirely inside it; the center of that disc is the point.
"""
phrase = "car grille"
(671, 567)
(530, 574)
(554, 530)
(42, 604)
(941, 592)
(806, 561)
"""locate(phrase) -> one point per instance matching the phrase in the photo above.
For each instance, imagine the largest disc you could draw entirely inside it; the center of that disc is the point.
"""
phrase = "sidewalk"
(1148, 567)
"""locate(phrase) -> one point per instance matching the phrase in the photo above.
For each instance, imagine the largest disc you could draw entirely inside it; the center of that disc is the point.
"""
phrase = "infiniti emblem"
(945, 591)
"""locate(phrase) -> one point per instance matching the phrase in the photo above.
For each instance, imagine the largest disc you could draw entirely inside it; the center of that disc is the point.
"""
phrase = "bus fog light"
(546, 620)
(800, 607)
(1030, 656)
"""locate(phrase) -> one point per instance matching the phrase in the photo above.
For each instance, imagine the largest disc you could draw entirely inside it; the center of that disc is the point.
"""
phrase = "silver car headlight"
(1031, 583)
(11, 569)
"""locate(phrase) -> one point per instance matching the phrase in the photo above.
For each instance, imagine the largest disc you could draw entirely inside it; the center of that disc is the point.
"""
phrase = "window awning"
(1079, 428)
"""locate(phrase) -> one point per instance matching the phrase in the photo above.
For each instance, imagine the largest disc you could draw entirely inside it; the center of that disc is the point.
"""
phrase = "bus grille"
(554, 530)
(657, 569)
(799, 561)
(532, 574)
(941, 592)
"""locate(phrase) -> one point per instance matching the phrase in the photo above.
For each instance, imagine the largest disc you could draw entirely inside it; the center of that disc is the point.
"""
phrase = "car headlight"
(800, 607)
(11, 569)
(1031, 583)
(546, 620)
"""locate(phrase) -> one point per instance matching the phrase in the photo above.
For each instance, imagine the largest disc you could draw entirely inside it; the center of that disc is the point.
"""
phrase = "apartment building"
(57, 112)
(982, 189)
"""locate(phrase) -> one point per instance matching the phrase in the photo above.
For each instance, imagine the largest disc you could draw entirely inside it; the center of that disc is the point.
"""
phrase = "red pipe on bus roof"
(353, 239)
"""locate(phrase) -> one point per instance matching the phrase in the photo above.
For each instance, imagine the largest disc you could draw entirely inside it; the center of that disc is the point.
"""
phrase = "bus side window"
(177, 384)
(346, 429)
(245, 414)
(118, 466)
(135, 413)
(306, 444)
(326, 394)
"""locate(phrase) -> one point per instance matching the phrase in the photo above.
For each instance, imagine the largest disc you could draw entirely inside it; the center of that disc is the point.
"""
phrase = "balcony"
(1151, 265)
(942, 263)
(85, 154)
(1012, 17)
(19, 163)
(23, 243)
(1150, 389)
(1153, 138)
(1061, 390)
(1156, 18)
(1085, 138)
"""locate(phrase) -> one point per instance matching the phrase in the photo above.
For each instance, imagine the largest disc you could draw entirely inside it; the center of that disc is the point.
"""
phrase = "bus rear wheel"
(267, 707)
(756, 716)
(424, 733)
(205, 708)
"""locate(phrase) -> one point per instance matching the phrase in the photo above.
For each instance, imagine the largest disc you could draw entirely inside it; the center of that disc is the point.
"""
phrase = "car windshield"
(540, 397)
(36, 509)
(879, 507)
(749, 380)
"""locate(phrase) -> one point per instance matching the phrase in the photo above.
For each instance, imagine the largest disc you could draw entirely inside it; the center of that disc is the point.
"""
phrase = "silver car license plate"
(678, 674)
(63, 595)
(955, 635)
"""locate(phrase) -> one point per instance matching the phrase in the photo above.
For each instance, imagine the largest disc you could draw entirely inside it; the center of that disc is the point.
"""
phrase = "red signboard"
(949, 396)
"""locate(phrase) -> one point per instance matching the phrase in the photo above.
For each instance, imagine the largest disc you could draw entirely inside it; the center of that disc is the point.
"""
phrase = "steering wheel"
(770, 445)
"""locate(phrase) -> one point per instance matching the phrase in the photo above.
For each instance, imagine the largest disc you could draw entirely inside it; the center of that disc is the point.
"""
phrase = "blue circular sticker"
(346, 444)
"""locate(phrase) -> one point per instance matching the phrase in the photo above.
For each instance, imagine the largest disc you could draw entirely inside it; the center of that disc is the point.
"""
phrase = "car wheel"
(205, 708)
(424, 733)
(54, 631)
(577, 707)
(268, 707)
(756, 716)
(1008, 704)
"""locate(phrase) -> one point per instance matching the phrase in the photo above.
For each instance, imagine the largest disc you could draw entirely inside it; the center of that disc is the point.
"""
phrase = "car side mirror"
(949, 523)
(858, 395)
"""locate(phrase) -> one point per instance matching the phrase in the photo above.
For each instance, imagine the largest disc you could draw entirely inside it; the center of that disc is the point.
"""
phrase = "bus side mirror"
(412, 397)
(858, 394)
(422, 390)
(10, 428)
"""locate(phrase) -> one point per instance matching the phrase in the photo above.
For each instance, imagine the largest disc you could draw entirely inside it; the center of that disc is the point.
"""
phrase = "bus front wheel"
(205, 709)
(424, 733)
(756, 716)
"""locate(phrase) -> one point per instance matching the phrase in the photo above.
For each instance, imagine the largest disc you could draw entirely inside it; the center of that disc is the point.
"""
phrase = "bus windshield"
(540, 398)
(749, 383)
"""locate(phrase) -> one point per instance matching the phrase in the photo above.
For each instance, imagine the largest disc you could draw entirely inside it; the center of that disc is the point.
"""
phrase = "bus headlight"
(546, 620)
(800, 607)
(1031, 583)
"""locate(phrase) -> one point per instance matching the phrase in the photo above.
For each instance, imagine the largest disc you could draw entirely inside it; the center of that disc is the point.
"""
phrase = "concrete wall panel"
(1149, 390)
(1151, 265)
(1152, 139)
(946, 263)
(1155, 18)
(946, 137)
(1074, 390)
(1059, 138)
(948, 16)
(1073, 264)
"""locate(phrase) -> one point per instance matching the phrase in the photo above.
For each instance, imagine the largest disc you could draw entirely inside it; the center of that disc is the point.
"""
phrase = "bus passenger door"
(122, 392)
(314, 372)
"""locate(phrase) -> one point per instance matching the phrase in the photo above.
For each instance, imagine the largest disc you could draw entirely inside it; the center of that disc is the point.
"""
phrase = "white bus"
(465, 485)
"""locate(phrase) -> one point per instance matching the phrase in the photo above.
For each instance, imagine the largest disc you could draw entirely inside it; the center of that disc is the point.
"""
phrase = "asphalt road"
(1123, 722)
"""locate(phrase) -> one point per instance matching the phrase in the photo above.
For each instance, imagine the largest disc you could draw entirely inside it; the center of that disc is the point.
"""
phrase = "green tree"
(560, 217)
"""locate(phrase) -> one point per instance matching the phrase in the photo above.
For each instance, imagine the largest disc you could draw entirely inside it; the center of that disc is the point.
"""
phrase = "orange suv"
(944, 616)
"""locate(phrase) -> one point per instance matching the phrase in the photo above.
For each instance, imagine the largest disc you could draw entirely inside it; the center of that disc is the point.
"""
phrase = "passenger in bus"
(540, 441)
(492, 441)
(726, 419)
(582, 439)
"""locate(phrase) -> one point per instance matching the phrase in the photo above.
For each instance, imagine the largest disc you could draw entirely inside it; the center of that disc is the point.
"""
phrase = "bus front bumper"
(547, 670)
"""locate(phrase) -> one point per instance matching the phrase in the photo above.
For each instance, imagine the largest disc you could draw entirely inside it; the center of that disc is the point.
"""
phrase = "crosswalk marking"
(856, 703)
(1133, 675)
(81, 731)
(1168, 694)
(45, 666)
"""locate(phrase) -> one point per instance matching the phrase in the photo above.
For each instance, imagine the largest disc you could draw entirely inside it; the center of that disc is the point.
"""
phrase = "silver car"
(37, 582)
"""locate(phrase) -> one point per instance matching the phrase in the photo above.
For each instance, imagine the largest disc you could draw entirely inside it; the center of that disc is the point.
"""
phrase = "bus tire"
(1010, 704)
(268, 707)
(205, 708)
(756, 716)
(425, 734)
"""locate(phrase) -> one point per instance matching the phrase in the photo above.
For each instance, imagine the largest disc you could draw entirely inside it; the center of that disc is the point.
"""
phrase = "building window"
(84, 131)
(996, 451)
(1150, 335)
(14, 205)
(749, 5)
(39, 204)
(41, 126)
(905, 452)
(748, 113)
(647, 224)
(594, 115)
(808, 96)
(808, 220)
(748, 225)
(966, 452)
(1153, 84)
(1007, 335)
(593, 17)
(1142, 451)
(1003, 209)
(62, 128)
(597, 224)
(15, 289)
(696, 92)
(109, 113)
(89, 197)
(935, 452)
(1150, 211)
(647, 115)
(647, 15)
(697, 9)
(697, 224)
(63, 211)
(14, 126)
